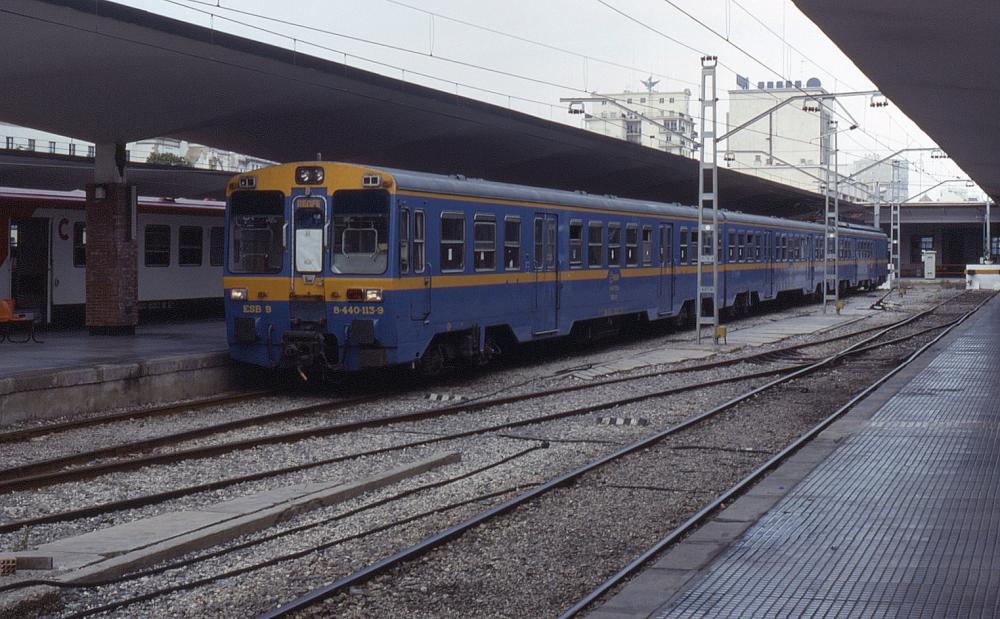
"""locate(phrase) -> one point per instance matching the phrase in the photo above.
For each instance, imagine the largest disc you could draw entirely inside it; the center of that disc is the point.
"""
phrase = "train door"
(546, 265)
(769, 263)
(30, 258)
(666, 269)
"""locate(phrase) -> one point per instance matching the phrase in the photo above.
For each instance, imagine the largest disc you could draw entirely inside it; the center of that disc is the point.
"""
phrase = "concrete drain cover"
(622, 421)
(445, 397)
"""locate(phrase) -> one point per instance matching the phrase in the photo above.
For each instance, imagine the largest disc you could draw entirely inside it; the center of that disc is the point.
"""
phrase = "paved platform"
(810, 319)
(74, 349)
(893, 511)
(72, 372)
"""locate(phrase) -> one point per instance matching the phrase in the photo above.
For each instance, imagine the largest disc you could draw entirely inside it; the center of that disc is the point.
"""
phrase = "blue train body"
(348, 267)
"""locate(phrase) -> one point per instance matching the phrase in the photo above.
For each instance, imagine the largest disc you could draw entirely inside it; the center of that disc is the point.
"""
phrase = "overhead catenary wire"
(563, 87)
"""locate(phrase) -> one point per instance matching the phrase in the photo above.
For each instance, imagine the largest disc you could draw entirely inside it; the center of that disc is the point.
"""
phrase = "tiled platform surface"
(893, 511)
(70, 349)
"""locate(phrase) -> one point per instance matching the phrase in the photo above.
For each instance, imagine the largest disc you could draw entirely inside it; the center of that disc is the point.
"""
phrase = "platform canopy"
(937, 61)
(108, 73)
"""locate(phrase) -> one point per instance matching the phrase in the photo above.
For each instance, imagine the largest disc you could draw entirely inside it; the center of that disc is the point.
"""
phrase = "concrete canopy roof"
(937, 61)
(107, 73)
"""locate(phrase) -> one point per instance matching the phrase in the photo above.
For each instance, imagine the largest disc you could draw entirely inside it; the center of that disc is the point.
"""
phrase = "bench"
(11, 320)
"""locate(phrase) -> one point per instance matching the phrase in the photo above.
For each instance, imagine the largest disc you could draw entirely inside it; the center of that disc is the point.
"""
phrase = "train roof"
(42, 198)
(479, 188)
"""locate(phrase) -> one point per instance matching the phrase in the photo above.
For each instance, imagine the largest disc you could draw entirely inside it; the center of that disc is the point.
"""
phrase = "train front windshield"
(360, 231)
(256, 225)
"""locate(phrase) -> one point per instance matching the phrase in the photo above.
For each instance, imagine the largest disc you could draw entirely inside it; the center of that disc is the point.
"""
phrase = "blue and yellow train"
(338, 266)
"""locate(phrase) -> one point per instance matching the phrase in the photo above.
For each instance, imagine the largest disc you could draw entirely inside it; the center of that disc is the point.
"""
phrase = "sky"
(526, 54)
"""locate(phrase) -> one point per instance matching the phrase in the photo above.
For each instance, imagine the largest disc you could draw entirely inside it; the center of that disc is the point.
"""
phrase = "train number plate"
(253, 308)
(359, 310)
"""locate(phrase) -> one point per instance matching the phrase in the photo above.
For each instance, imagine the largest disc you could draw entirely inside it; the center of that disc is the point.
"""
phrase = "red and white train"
(43, 257)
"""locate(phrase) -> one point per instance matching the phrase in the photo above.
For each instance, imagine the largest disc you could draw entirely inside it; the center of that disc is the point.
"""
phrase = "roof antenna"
(319, 156)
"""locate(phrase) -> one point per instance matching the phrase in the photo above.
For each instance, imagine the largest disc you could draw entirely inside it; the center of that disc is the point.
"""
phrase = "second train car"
(335, 266)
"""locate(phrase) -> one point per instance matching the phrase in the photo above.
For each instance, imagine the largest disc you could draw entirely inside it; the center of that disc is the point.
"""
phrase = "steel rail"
(156, 411)
(41, 471)
(149, 499)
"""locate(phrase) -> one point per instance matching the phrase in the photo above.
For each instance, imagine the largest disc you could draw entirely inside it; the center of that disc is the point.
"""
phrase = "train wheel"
(492, 350)
(433, 361)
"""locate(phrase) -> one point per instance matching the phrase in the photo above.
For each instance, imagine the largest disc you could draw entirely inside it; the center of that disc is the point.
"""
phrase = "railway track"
(868, 344)
(55, 471)
(428, 544)
(24, 434)
(20, 483)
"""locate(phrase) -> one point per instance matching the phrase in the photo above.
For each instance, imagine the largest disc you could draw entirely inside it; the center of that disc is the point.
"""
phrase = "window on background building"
(189, 246)
(9, 143)
(72, 150)
(671, 99)
(80, 244)
(31, 144)
(91, 151)
(995, 247)
(927, 243)
(157, 245)
(52, 147)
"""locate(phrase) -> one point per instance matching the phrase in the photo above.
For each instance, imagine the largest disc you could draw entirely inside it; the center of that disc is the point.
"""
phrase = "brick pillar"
(112, 261)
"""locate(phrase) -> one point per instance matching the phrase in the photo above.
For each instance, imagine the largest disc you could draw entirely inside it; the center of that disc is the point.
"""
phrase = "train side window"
(575, 244)
(666, 245)
(731, 253)
(80, 244)
(216, 246)
(647, 245)
(190, 241)
(614, 245)
(452, 241)
(484, 239)
(741, 246)
(683, 246)
(550, 243)
(404, 240)
(419, 237)
(157, 245)
(512, 243)
(539, 245)
(757, 244)
(631, 245)
(595, 244)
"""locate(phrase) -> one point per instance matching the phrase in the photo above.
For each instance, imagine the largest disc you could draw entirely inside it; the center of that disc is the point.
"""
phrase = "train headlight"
(237, 294)
(373, 295)
(309, 175)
